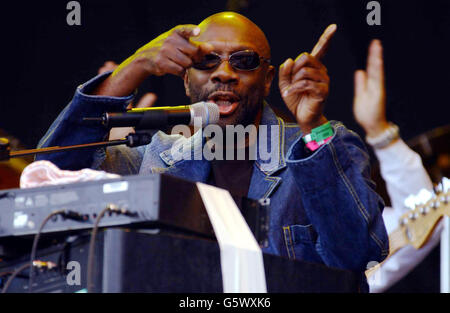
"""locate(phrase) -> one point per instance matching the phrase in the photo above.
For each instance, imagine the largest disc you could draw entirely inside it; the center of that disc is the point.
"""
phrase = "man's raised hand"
(369, 101)
(170, 53)
(304, 84)
(173, 52)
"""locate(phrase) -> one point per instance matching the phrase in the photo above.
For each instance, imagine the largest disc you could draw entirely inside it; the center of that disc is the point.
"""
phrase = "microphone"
(158, 117)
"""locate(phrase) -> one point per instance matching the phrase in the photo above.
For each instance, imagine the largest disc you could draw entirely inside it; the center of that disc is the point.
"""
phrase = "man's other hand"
(170, 53)
(304, 84)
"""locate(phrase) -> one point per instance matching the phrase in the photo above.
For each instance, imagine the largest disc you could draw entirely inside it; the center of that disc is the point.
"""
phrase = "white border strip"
(240, 256)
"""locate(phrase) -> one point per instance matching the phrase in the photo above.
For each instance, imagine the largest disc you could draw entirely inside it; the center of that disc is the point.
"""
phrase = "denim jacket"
(323, 207)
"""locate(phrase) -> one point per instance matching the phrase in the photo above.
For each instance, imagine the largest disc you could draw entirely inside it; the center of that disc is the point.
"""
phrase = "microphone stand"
(139, 138)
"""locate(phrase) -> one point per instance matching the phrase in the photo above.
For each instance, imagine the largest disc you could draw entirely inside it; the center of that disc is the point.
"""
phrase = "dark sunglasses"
(245, 60)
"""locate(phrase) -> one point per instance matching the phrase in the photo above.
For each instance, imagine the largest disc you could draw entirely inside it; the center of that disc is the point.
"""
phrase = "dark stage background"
(44, 59)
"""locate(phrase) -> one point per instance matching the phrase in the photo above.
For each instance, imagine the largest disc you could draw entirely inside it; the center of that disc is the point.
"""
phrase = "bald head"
(220, 25)
(239, 93)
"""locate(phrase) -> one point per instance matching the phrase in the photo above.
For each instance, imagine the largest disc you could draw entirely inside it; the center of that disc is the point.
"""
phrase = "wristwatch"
(385, 138)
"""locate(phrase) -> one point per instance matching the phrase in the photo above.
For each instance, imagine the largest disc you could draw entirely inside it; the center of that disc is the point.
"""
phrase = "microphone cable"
(65, 213)
(40, 264)
(35, 243)
(90, 272)
(14, 274)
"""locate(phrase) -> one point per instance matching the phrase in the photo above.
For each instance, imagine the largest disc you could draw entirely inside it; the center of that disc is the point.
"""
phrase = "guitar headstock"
(418, 224)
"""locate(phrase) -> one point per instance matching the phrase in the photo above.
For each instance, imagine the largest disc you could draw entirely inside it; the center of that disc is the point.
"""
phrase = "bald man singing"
(323, 205)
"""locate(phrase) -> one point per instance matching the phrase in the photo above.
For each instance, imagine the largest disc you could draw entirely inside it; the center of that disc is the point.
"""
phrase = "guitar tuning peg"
(424, 210)
(434, 205)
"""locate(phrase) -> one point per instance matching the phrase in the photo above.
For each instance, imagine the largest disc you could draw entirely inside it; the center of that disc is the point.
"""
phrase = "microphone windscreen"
(207, 111)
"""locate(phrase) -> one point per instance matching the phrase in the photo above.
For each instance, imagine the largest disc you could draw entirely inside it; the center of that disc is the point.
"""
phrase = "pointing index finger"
(187, 30)
(322, 45)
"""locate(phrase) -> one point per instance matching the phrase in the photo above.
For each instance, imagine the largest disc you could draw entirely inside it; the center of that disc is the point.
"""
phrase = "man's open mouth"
(227, 101)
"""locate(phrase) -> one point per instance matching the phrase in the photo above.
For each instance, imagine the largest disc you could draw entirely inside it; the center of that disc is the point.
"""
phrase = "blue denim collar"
(194, 146)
